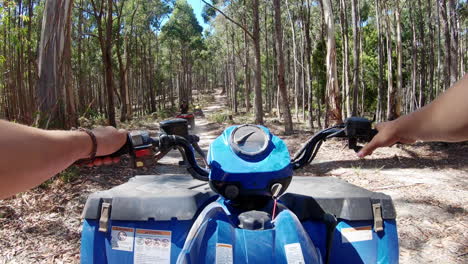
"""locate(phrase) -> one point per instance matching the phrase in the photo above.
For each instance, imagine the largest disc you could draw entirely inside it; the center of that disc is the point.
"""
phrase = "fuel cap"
(254, 220)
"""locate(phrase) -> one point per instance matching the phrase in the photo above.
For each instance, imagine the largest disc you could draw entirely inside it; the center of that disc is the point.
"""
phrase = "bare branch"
(230, 19)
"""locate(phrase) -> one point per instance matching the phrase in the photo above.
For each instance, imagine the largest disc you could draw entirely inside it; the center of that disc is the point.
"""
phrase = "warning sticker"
(152, 246)
(294, 253)
(356, 234)
(122, 238)
(223, 253)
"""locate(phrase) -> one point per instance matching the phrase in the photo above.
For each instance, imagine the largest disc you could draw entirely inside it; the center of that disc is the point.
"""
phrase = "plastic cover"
(160, 197)
(311, 197)
(163, 197)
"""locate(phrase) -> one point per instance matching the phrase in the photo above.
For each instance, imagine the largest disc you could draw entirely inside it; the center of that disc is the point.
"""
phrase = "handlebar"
(140, 144)
(169, 141)
(354, 128)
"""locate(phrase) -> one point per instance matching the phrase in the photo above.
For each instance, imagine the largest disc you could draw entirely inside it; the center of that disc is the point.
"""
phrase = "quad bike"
(244, 208)
(190, 117)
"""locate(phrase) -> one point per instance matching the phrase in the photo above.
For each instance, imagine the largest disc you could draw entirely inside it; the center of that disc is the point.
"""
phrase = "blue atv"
(244, 207)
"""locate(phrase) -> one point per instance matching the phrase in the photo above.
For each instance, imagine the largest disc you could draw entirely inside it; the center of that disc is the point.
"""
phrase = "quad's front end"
(250, 212)
(172, 219)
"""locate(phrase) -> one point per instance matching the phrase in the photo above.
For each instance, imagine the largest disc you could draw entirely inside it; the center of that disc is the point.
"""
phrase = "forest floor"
(428, 183)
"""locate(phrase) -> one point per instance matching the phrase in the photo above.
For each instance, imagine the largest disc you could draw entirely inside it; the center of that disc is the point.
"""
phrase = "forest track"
(428, 183)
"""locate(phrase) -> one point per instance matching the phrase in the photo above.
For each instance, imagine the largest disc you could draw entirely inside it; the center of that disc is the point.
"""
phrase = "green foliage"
(165, 113)
(183, 27)
(70, 174)
(319, 56)
(219, 118)
(92, 119)
(67, 176)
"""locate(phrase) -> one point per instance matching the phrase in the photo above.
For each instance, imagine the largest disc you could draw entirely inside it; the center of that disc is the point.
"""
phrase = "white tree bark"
(333, 90)
(54, 64)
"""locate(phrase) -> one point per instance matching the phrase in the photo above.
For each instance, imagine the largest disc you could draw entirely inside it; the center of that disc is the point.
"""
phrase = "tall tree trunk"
(333, 91)
(81, 85)
(431, 50)
(344, 29)
(53, 61)
(439, 51)
(288, 126)
(422, 56)
(356, 56)
(71, 118)
(452, 8)
(391, 100)
(399, 50)
(414, 71)
(308, 66)
(258, 107)
(108, 66)
(105, 41)
(296, 77)
(246, 73)
(31, 59)
(380, 90)
(446, 31)
(234, 74)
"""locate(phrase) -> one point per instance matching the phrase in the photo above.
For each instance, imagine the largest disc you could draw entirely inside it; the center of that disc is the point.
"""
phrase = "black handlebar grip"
(372, 134)
(127, 148)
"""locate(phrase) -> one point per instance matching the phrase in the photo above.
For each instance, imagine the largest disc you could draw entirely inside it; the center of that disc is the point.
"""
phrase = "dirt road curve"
(428, 182)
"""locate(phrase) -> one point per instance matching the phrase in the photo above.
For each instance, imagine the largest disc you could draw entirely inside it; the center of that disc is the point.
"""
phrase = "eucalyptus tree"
(183, 32)
(54, 66)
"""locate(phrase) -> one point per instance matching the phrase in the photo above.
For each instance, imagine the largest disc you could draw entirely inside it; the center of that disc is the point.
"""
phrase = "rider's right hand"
(389, 134)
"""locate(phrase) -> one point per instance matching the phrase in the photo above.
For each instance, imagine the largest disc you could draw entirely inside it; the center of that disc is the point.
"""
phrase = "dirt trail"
(428, 182)
(206, 130)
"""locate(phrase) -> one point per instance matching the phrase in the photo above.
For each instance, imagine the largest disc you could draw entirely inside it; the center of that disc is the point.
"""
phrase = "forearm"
(445, 119)
(29, 156)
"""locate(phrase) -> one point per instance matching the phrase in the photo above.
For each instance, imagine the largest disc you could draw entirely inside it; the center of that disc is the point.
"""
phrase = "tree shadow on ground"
(389, 163)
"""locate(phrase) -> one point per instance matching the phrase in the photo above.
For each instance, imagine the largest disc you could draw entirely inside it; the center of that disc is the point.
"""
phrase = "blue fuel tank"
(248, 159)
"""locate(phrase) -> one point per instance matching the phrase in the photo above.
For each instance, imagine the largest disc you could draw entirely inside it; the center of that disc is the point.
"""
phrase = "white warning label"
(152, 246)
(122, 238)
(356, 234)
(294, 253)
(223, 253)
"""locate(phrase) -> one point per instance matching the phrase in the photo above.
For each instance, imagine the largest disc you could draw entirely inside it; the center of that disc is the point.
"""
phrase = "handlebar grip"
(372, 134)
(125, 149)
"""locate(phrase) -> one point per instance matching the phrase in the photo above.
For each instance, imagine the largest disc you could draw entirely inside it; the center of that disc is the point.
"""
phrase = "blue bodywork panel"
(382, 248)
(96, 246)
(252, 173)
